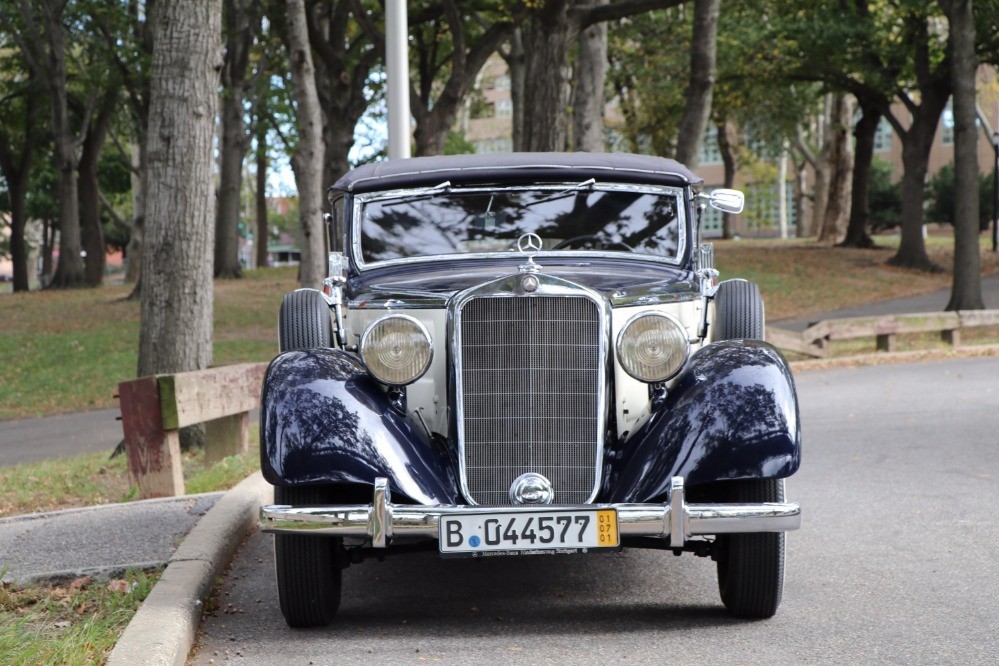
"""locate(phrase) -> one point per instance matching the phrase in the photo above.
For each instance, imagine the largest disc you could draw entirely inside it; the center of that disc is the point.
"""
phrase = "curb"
(162, 631)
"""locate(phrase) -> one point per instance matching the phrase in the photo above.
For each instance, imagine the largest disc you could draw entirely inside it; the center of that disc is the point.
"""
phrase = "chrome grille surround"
(567, 427)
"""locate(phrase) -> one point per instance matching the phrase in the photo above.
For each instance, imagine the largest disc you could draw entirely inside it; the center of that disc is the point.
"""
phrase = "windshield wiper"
(568, 192)
(434, 191)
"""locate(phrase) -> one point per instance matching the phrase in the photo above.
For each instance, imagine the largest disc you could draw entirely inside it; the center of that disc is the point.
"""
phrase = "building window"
(711, 219)
(501, 145)
(503, 82)
(882, 136)
(947, 125)
(709, 146)
(504, 108)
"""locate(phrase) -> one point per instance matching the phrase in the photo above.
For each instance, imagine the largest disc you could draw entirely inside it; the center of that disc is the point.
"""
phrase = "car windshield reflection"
(572, 216)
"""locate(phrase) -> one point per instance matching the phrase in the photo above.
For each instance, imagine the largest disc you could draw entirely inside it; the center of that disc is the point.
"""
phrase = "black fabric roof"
(507, 167)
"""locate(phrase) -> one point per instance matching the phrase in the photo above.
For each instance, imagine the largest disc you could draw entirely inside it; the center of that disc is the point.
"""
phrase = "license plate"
(526, 532)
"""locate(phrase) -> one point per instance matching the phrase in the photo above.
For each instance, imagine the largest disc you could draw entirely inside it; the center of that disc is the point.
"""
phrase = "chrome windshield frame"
(360, 200)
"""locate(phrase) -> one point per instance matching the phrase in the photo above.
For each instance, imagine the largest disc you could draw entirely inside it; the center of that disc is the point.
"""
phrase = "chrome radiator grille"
(530, 391)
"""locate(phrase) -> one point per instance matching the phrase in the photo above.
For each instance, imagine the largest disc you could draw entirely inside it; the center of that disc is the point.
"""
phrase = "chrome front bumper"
(381, 521)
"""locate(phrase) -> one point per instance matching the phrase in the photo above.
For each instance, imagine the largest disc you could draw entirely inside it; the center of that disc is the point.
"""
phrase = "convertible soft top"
(515, 167)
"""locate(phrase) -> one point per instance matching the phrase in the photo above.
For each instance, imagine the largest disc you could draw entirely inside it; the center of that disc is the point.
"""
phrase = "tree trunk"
(588, 93)
(134, 249)
(516, 61)
(260, 201)
(840, 162)
(966, 291)
(239, 31)
(175, 332)
(232, 152)
(90, 199)
(307, 161)
(860, 211)
(727, 138)
(800, 184)
(16, 171)
(697, 106)
(69, 268)
(548, 36)
(48, 248)
(915, 159)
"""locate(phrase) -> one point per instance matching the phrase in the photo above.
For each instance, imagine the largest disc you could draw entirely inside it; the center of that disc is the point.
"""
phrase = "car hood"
(623, 282)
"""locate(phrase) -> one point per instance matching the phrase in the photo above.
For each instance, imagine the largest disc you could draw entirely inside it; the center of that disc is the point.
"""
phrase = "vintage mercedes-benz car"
(526, 354)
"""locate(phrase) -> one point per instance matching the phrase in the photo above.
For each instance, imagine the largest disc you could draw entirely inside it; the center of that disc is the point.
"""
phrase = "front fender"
(732, 414)
(323, 419)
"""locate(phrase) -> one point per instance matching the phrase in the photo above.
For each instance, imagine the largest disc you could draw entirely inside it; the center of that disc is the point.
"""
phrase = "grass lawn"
(66, 351)
(801, 278)
(76, 623)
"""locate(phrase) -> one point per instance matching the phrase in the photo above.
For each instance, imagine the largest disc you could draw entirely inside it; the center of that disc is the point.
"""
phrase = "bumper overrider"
(381, 521)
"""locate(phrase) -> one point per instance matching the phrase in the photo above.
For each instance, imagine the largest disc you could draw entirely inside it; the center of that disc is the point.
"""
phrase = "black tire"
(304, 321)
(309, 577)
(739, 311)
(751, 566)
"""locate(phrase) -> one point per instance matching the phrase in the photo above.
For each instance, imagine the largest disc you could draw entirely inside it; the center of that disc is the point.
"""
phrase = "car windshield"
(571, 216)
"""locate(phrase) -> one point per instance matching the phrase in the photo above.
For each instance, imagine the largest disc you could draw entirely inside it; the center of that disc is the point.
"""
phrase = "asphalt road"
(895, 563)
(27, 440)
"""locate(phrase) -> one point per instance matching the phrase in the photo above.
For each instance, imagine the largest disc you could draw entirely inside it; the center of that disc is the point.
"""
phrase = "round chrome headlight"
(396, 349)
(652, 347)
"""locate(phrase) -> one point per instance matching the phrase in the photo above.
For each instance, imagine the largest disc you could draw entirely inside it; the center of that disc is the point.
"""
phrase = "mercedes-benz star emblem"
(529, 245)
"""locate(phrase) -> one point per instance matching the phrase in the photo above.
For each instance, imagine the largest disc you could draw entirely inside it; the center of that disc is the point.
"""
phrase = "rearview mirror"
(727, 201)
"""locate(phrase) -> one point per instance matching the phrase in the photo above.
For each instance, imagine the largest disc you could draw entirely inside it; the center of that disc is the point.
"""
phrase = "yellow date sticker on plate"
(607, 535)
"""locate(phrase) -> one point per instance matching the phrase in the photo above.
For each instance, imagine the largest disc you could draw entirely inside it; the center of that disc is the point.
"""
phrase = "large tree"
(549, 34)
(19, 138)
(307, 160)
(44, 45)
(175, 332)
(588, 87)
(966, 291)
(697, 106)
(241, 20)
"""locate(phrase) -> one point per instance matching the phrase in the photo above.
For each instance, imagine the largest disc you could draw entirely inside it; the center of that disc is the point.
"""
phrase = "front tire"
(304, 321)
(309, 577)
(751, 566)
(739, 311)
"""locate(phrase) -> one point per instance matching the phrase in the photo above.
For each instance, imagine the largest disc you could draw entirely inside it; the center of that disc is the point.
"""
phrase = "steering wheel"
(592, 242)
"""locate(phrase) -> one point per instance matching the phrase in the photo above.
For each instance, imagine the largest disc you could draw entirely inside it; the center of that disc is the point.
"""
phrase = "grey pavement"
(933, 302)
(894, 564)
(27, 440)
(98, 541)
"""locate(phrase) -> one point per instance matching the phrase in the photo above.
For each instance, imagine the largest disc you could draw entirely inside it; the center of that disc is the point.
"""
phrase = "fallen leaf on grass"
(79, 583)
(119, 586)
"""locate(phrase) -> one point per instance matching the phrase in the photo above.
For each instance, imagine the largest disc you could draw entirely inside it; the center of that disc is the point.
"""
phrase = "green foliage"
(940, 197)
(457, 144)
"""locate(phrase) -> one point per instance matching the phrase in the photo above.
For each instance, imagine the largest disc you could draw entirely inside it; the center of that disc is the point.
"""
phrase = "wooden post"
(227, 436)
(886, 342)
(951, 337)
(154, 463)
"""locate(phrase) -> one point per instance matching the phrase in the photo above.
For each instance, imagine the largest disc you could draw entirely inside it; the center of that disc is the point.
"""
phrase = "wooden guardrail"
(154, 408)
(814, 340)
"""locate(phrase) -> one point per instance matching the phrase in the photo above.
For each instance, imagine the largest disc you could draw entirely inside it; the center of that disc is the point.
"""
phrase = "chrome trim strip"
(359, 200)
(675, 520)
(509, 287)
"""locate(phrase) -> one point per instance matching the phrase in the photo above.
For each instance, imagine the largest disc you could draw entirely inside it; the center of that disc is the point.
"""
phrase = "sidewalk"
(97, 541)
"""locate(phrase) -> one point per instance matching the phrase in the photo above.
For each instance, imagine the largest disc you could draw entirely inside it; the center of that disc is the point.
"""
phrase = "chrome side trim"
(676, 520)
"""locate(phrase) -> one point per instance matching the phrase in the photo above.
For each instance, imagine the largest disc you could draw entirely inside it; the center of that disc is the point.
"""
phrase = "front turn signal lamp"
(396, 349)
(652, 347)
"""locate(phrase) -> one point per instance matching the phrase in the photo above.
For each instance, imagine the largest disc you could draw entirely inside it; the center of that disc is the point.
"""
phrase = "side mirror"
(727, 201)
